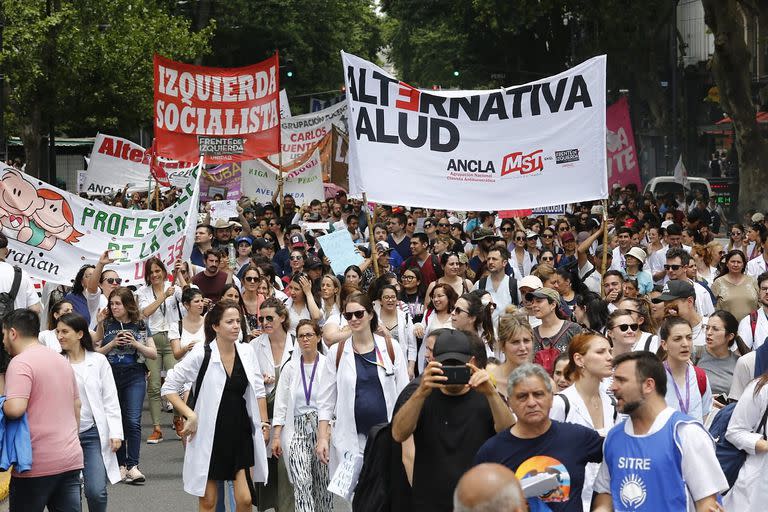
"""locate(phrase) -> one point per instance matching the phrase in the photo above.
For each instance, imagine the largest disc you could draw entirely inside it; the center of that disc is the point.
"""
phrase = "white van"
(662, 185)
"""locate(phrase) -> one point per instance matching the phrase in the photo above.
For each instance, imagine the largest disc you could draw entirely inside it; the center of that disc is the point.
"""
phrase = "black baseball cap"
(452, 345)
(676, 289)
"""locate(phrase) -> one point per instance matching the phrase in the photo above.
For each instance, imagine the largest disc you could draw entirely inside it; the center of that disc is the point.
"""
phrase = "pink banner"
(623, 167)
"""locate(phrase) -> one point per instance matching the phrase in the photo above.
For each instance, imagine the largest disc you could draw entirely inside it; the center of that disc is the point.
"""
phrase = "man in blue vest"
(658, 459)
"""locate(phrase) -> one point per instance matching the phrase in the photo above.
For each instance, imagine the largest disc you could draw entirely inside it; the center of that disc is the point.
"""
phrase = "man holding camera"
(451, 410)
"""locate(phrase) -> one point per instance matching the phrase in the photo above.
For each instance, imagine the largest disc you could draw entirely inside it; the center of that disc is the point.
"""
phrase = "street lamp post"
(52, 105)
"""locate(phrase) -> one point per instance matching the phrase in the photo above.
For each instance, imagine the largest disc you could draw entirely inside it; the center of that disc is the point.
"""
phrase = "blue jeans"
(131, 382)
(94, 472)
(60, 493)
(225, 490)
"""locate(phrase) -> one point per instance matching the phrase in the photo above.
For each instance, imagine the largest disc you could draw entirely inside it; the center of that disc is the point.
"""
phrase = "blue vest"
(646, 472)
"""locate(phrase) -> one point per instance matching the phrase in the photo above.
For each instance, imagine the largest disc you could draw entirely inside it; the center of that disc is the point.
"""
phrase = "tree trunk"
(730, 67)
(31, 130)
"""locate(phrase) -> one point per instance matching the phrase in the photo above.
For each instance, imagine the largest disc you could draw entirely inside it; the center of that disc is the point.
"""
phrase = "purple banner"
(221, 182)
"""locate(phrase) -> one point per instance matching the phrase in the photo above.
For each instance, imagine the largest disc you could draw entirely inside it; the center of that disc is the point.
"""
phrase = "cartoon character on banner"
(36, 217)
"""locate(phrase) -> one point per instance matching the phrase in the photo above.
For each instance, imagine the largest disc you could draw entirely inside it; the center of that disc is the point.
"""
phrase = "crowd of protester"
(547, 344)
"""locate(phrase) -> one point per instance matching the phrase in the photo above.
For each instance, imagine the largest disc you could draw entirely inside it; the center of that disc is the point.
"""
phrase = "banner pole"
(371, 241)
(157, 196)
(605, 237)
(279, 139)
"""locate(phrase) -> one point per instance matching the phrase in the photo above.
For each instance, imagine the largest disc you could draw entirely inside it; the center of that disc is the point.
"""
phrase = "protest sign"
(340, 250)
(81, 177)
(224, 179)
(52, 233)
(223, 209)
(345, 478)
(304, 182)
(285, 107)
(222, 114)
(532, 145)
(623, 167)
(116, 162)
(302, 132)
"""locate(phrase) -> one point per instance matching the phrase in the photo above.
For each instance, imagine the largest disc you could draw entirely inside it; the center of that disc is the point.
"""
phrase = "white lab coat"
(750, 492)
(197, 457)
(578, 414)
(337, 394)
(101, 393)
(290, 379)
(266, 361)
(405, 335)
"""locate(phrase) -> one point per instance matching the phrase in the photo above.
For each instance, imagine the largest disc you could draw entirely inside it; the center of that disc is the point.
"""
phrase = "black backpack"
(512, 287)
(374, 486)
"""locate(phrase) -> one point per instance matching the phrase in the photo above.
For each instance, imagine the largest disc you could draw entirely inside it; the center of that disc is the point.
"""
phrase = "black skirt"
(232, 439)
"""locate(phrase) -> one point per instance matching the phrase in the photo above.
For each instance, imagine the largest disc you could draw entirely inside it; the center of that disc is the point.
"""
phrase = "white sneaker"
(123, 472)
(134, 476)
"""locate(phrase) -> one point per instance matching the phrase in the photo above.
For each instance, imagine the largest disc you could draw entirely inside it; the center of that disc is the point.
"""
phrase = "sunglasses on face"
(251, 279)
(631, 327)
(296, 258)
(459, 311)
(672, 267)
(427, 225)
(441, 225)
(519, 238)
(348, 315)
(506, 230)
(563, 228)
(735, 233)
(410, 223)
(546, 236)
(266, 319)
(547, 258)
(113, 280)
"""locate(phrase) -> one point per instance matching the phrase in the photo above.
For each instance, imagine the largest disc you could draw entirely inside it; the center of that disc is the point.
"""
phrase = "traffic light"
(456, 72)
(289, 69)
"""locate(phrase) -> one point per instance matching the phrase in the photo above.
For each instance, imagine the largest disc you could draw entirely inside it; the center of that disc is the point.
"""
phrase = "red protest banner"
(509, 214)
(223, 114)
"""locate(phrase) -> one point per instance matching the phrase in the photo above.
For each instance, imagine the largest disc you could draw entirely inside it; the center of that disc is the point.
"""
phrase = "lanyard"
(308, 391)
(683, 406)
(379, 361)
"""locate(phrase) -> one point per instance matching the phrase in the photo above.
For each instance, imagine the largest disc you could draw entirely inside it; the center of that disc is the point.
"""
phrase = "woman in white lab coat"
(295, 423)
(750, 492)
(365, 367)
(397, 323)
(226, 430)
(586, 402)
(273, 351)
(101, 424)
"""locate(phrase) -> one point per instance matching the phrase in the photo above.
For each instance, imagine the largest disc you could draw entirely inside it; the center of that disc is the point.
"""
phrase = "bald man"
(488, 487)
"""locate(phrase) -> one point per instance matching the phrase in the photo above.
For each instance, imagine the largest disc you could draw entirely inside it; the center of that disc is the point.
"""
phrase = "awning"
(64, 142)
(762, 117)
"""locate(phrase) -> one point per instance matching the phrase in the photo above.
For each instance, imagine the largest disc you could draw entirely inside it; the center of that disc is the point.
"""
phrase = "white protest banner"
(526, 146)
(300, 133)
(116, 162)
(52, 233)
(223, 209)
(304, 182)
(345, 478)
(285, 107)
(338, 247)
(81, 177)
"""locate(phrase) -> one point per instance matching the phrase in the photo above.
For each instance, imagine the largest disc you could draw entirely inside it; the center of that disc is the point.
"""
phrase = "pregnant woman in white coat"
(359, 387)
(101, 425)
(226, 433)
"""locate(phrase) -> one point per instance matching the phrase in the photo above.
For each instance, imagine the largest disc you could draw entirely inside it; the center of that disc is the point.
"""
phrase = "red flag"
(155, 169)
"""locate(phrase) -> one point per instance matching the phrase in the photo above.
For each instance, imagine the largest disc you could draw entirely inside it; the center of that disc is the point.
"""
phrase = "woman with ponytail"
(586, 402)
(474, 312)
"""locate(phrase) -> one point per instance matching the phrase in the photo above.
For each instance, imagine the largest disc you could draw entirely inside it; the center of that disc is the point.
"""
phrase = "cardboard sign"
(340, 250)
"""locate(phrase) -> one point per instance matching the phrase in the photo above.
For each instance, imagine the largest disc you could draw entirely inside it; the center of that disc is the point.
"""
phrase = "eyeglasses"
(266, 319)
(735, 233)
(624, 327)
(546, 236)
(408, 278)
(356, 314)
(519, 238)
(113, 280)
(672, 267)
(251, 279)
(507, 230)
(458, 310)
(410, 223)
(296, 258)
(306, 336)
(427, 225)
(547, 258)
(563, 228)
(389, 299)
(441, 225)
(533, 238)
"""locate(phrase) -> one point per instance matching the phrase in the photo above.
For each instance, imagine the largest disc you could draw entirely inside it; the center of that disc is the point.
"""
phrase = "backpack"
(387, 340)
(512, 287)
(7, 299)
(730, 458)
(546, 356)
(701, 380)
(373, 490)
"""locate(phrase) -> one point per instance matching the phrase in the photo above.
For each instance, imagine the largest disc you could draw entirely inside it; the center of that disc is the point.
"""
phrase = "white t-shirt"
(653, 346)
(49, 339)
(165, 315)
(299, 400)
(96, 302)
(698, 405)
(27, 295)
(698, 451)
(86, 414)
(761, 330)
